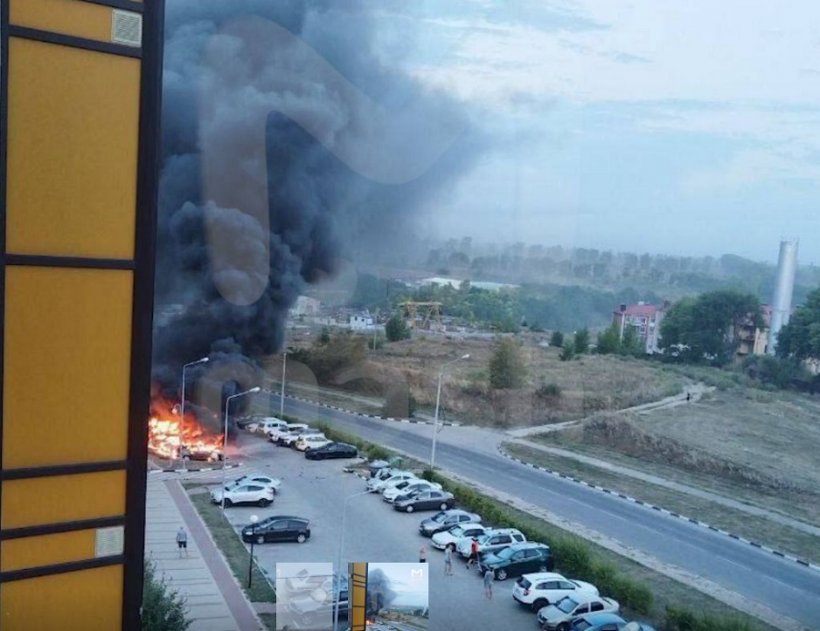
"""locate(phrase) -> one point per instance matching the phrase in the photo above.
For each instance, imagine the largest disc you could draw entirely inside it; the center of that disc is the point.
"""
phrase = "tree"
(507, 368)
(557, 339)
(581, 341)
(568, 350)
(709, 326)
(163, 609)
(396, 329)
(800, 338)
(631, 343)
(609, 340)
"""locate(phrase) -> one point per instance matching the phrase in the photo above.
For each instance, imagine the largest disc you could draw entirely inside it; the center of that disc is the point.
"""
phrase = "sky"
(411, 590)
(688, 128)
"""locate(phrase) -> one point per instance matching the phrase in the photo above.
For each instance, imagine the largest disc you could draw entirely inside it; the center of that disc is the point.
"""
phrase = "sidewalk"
(214, 599)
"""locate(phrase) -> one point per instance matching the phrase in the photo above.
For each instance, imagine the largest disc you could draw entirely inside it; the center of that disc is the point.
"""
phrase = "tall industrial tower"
(782, 300)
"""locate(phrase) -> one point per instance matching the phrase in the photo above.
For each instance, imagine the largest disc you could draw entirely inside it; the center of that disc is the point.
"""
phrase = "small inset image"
(306, 596)
(389, 596)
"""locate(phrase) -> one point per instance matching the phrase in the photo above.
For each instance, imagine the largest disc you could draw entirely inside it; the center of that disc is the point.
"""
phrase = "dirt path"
(694, 392)
(675, 486)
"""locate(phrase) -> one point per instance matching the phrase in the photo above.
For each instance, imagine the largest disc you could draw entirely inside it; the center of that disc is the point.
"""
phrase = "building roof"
(639, 309)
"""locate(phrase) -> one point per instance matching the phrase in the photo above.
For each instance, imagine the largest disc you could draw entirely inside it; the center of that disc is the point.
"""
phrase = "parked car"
(539, 590)
(293, 435)
(291, 430)
(426, 500)
(269, 424)
(380, 470)
(332, 450)
(278, 528)
(607, 622)
(491, 541)
(258, 494)
(257, 478)
(408, 488)
(306, 442)
(521, 558)
(375, 485)
(446, 519)
(199, 452)
(456, 533)
(247, 422)
(315, 608)
(561, 615)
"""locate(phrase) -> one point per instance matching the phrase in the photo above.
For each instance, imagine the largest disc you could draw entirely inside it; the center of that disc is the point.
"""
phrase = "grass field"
(586, 385)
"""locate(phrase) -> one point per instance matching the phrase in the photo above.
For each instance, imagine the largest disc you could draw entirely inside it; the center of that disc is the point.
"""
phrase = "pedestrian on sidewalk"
(448, 560)
(423, 554)
(488, 584)
(182, 541)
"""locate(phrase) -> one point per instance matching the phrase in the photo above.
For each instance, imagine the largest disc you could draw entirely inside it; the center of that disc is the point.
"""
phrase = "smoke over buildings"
(285, 142)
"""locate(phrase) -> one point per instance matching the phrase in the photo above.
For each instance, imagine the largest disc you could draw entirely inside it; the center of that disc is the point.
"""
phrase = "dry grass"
(589, 384)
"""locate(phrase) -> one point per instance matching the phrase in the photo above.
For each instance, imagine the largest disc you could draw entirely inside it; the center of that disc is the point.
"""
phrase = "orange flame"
(169, 435)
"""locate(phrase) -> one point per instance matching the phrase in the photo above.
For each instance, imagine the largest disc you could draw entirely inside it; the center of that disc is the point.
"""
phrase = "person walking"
(448, 560)
(423, 554)
(473, 553)
(182, 541)
(488, 584)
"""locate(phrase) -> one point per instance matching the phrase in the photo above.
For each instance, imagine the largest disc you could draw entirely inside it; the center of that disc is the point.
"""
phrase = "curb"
(665, 511)
(203, 470)
(373, 416)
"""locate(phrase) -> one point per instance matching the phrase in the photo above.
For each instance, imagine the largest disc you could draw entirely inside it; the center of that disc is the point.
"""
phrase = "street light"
(225, 438)
(282, 394)
(254, 519)
(338, 590)
(438, 401)
(204, 360)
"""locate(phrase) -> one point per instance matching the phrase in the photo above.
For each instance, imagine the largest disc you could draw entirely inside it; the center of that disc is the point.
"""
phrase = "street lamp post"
(338, 591)
(254, 519)
(203, 360)
(282, 394)
(438, 401)
(225, 438)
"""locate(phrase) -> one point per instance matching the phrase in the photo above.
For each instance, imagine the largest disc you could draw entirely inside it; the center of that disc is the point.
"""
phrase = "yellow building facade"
(79, 149)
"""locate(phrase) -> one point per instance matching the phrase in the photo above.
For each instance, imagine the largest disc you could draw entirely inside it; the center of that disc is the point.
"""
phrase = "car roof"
(602, 618)
(544, 576)
(275, 517)
(524, 545)
(504, 531)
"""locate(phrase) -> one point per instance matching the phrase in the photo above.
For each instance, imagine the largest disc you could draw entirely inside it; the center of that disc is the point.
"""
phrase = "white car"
(442, 539)
(408, 486)
(290, 430)
(257, 478)
(244, 494)
(270, 424)
(307, 442)
(545, 588)
(375, 485)
(562, 615)
(492, 541)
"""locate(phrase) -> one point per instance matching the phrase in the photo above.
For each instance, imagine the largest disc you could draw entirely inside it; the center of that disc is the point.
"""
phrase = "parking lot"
(374, 532)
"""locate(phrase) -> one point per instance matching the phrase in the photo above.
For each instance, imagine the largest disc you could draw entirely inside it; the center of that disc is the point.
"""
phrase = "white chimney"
(782, 300)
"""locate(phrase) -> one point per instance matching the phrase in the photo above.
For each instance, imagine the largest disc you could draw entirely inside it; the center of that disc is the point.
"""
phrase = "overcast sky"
(672, 127)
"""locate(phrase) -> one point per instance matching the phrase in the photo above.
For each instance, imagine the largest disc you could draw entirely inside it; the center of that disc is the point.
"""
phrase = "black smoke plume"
(313, 157)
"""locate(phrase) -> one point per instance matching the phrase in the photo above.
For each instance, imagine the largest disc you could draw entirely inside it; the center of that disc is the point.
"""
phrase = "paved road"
(783, 586)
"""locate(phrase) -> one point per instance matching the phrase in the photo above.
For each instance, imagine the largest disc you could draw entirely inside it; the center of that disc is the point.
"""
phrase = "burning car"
(174, 437)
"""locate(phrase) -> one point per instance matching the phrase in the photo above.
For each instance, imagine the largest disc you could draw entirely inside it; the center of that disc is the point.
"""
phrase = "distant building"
(646, 319)
(753, 340)
(306, 306)
(456, 284)
(361, 322)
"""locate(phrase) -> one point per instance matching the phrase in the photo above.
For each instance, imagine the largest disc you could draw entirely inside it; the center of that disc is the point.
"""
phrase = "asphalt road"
(781, 585)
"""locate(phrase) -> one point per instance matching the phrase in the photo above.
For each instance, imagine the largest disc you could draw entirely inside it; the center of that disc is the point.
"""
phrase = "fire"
(171, 436)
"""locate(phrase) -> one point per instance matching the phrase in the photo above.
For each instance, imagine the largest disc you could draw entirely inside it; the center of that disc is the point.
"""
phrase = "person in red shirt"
(473, 553)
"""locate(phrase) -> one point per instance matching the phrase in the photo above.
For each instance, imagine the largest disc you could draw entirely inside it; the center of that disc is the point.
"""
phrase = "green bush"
(678, 619)
(163, 609)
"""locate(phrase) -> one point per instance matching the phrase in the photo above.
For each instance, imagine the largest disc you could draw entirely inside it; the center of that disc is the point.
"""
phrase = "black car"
(428, 500)
(521, 558)
(333, 450)
(445, 520)
(278, 528)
